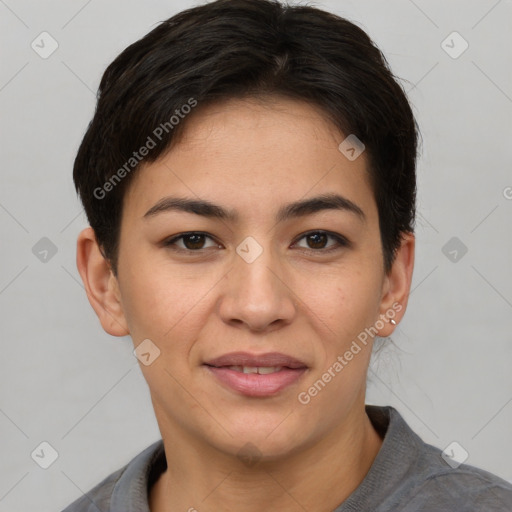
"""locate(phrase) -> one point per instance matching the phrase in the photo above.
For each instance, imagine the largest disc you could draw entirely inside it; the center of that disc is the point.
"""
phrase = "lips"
(270, 359)
(256, 375)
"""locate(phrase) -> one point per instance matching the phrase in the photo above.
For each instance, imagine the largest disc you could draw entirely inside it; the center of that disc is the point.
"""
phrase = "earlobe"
(100, 284)
(397, 286)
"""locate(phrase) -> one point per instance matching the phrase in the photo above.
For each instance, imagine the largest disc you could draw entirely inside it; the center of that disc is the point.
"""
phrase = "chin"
(266, 437)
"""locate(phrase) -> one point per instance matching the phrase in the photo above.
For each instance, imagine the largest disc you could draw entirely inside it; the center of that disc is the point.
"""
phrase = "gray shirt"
(408, 475)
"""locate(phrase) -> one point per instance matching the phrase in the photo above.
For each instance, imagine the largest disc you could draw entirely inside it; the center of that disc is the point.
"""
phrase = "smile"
(262, 370)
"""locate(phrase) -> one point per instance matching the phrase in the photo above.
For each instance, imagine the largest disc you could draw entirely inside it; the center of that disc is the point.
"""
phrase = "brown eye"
(194, 241)
(190, 242)
(318, 240)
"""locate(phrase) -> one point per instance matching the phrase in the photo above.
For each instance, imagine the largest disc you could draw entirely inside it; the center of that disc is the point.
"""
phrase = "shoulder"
(111, 493)
(98, 498)
(464, 488)
(410, 475)
(439, 483)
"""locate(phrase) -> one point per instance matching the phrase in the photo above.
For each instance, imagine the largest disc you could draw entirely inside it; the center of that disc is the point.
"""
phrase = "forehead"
(253, 154)
(265, 122)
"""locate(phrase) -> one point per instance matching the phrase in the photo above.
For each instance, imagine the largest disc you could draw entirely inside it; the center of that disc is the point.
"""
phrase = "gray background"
(65, 381)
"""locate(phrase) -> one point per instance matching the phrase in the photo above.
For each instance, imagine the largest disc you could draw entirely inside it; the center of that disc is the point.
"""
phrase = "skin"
(252, 157)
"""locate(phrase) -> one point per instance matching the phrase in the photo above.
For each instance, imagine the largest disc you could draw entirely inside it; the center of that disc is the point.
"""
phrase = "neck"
(317, 478)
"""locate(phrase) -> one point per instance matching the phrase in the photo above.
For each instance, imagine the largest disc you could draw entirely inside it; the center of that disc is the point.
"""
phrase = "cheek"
(166, 306)
(344, 301)
(149, 303)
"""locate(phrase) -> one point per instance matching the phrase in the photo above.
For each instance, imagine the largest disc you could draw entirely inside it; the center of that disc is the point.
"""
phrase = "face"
(285, 287)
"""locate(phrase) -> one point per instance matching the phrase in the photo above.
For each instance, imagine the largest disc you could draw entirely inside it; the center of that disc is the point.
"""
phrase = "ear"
(101, 285)
(396, 286)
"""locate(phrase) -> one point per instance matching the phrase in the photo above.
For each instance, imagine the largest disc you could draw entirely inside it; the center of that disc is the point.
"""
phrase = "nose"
(258, 295)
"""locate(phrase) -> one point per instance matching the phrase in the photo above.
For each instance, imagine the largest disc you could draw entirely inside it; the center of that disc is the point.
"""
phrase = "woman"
(249, 179)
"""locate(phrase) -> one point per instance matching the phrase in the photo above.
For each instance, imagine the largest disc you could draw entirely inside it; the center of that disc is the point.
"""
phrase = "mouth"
(256, 375)
(261, 370)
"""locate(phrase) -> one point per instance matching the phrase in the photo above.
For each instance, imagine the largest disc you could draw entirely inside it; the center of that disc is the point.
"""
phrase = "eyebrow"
(289, 211)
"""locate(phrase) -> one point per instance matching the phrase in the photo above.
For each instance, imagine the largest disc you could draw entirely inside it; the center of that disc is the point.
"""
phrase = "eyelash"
(342, 242)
